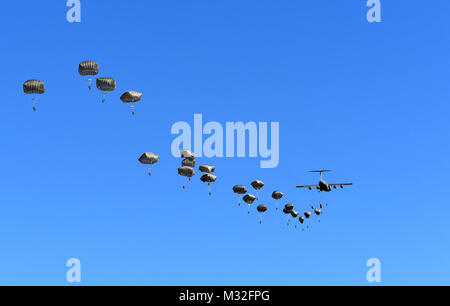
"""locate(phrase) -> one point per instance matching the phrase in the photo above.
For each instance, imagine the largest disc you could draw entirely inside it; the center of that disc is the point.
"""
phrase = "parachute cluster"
(242, 193)
(187, 167)
(88, 69)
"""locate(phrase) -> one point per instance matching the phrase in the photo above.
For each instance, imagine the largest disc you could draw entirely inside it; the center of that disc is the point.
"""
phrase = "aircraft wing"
(308, 186)
(342, 184)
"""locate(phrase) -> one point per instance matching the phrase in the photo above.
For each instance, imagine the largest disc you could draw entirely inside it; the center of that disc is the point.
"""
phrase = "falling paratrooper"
(261, 209)
(88, 68)
(149, 158)
(208, 177)
(34, 88)
(106, 85)
(131, 97)
(277, 195)
(249, 199)
(257, 185)
(187, 170)
(239, 190)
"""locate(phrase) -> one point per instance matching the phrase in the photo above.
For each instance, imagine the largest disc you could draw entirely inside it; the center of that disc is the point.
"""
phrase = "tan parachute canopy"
(257, 185)
(149, 158)
(131, 97)
(88, 68)
(249, 199)
(188, 163)
(207, 168)
(277, 195)
(106, 84)
(208, 178)
(261, 208)
(186, 171)
(239, 189)
(187, 154)
(34, 87)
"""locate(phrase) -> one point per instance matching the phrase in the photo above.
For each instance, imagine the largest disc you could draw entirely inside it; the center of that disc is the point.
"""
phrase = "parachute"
(188, 163)
(88, 68)
(307, 214)
(302, 219)
(288, 208)
(249, 199)
(187, 154)
(105, 85)
(261, 209)
(277, 195)
(317, 211)
(149, 158)
(239, 189)
(186, 172)
(294, 215)
(34, 88)
(207, 168)
(257, 185)
(131, 97)
(209, 178)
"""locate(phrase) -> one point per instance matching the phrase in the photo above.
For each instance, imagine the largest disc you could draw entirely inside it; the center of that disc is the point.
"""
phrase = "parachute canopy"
(249, 199)
(34, 87)
(208, 178)
(207, 168)
(186, 171)
(187, 154)
(88, 68)
(317, 211)
(149, 158)
(307, 214)
(239, 189)
(131, 97)
(289, 207)
(277, 195)
(302, 219)
(106, 84)
(188, 163)
(262, 208)
(257, 185)
(294, 214)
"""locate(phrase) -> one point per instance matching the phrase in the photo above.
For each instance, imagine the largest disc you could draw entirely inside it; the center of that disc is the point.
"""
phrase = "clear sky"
(370, 101)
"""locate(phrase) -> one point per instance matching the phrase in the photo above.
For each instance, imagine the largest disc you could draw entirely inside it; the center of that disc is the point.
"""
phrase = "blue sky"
(370, 101)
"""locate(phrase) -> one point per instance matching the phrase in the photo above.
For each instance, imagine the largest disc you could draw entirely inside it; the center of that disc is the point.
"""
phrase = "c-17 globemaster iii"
(324, 186)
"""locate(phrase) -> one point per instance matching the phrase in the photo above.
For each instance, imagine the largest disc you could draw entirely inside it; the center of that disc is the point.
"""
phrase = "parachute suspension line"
(132, 109)
(104, 97)
(248, 209)
(90, 84)
(239, 200)
(209, 189)
(260, 219)
(150, 171)
(34, 101)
